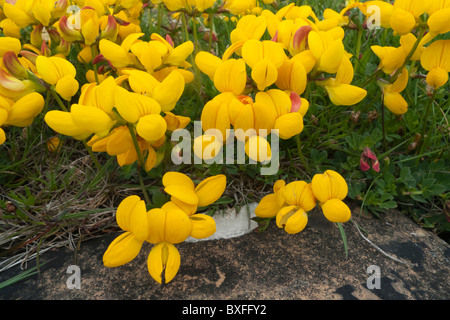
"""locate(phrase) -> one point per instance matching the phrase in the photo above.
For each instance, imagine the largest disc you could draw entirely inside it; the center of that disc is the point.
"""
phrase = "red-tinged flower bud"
(296, 101)
(45, 50)
(31, 56)
(98, 59)
(68, 30)
(275, 37)
(13, 65)
(169, 40)
(111, 30)
(369, 153)
(363, 164)
(300, 37)
(376, 165)
(36, 35)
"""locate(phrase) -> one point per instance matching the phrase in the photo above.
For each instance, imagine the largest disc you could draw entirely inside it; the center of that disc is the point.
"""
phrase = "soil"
(413, 264)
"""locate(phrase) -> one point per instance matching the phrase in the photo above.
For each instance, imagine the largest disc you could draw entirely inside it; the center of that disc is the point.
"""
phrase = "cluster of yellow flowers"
(132, 86)
(290, 203)
(164, 227)
(428, 19)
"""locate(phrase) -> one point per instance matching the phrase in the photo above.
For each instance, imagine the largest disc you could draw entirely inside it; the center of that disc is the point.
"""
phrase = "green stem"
(300, 153)
(140, 161)
(194, 29)
(92, 155)
(211, 30)
(185, 26)
(425, 121)
(160, 11)
(58, 100)
(94, 54)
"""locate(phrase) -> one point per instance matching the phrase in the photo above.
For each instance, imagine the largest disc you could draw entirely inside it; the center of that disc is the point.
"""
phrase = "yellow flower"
(60, 73)
(132, 217)
(339, 89)
(189, 197)
(120, 55)
(264, 58)
(392, 98)
(141, 111)
(166, 93)
(435, 59)
(249, 27)
(238, 7)
(330, 189)
(327, 49)
(92, 114)
(289, 204)
(406, 13)
(20, 112)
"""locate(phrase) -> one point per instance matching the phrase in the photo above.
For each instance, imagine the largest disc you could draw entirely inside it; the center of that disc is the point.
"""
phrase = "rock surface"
(269, 265)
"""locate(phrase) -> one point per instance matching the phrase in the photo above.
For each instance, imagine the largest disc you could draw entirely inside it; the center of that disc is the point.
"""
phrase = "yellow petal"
(203, 226)
(345, 94)
(169, 90)
(122, 250)
(437, 77)
(395, 103)
(139, 221)
(268, 207)
(156, 225)
(231, 76)
(439, 22)
(336, 211)
(92, 119)
(258, 149)
(54, 68)
(2, 136)
(295, 222)
(163, 260)
(25, 109)
(208, 146)
(210, 190)
(63, 123)
(264, 73)
(289, 125)
(9, 44)
(178, 226)
(125, 210)
(402, 21)
(207, 63)
(67, 87)
(173, 177)
(151, 127)
(182, 193)
(299, 193)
